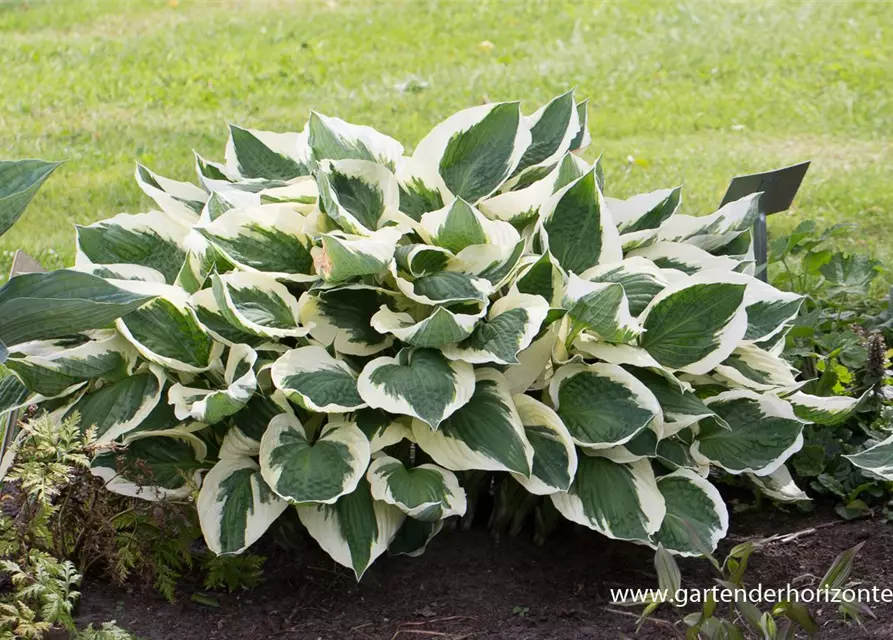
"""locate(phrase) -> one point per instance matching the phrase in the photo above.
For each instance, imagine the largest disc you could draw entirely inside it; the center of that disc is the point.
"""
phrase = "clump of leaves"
(55, 507)
(726, 612)
(840, 342)
(44, 595)
(233, 572)
(325, 322)
(108, 631)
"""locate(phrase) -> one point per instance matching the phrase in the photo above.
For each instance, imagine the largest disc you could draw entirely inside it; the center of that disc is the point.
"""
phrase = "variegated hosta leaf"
(301, 193)
(420, 383)
(357, 194)
(123, 272)
(162, 421)
(675, 453)
(752, 368)
(554, 453)
(578, 227)
(572, 167)
(779, 485)
(528, 193)
(421, 259)
(202, 258)
(119, 407)
(381, 429)
(149, 239)
(763, 433)
(686, 258)
(210, 406)
(552, 129)
(621, 501)
(582, 139)
(344, 257)
(494, 263)
(828, 410)
(769, 310)
(445, 287)
(877, 459)
(716, 230)
(522, 197)
(355, 530)
(747, 262)
(154, 468)
(13, 395)
(302, 469)
(692, 504)
(603, 405)
(442, 327)
(681, 408)
(776, 344)
(182, 201)
(642, 280)
(534, 363)
(222, 200)
(600, 307)
(510, 327)
(421, 188)
(413, 537)
(267, 156)
(270, 238)
(166, 330)
(693, 326)
(342, 318)
(486, 433)
(52, 367)
(19, 181)
(257, 304)
(249, 425)
(335, 139)
(235, 505)
(624, 354)
(541, 277)
(475, 150)
(459, 225)
(213, 176)
(644, 445)
(211, 317)
(313, 379)
(645, 211)
(426, 492)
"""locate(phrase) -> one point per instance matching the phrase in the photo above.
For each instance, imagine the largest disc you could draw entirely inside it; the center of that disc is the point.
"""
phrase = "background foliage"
(681, 92)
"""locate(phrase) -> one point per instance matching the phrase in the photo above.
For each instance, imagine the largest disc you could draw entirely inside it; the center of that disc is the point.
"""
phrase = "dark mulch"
(468, 587)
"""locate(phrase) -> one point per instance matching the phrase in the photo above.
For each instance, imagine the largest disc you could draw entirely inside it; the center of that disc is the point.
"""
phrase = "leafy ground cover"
(688, 92)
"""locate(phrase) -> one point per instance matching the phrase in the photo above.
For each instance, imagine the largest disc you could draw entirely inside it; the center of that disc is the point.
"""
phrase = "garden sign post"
(779, 187)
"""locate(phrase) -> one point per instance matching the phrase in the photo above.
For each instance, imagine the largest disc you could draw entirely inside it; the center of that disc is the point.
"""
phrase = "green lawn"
(691, 92)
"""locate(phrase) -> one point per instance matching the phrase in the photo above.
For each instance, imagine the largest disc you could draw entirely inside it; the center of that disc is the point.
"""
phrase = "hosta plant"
(329, 323)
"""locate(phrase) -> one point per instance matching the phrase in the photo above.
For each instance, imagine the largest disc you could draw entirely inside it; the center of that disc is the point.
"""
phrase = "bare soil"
(469, 587)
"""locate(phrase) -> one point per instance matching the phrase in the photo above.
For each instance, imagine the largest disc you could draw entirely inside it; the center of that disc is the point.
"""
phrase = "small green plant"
(61, 510)
(232, 572)
(839, 343)
(44, 595)
(727, 611)
(108, 631)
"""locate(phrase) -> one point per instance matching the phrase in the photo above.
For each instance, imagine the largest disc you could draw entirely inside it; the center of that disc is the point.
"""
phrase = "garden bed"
(467, 587)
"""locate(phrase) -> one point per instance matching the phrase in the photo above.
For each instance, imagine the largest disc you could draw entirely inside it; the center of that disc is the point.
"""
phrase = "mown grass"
(688, 92)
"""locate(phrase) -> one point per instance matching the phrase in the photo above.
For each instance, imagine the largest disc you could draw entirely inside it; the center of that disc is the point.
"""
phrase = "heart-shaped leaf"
(419, 382)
